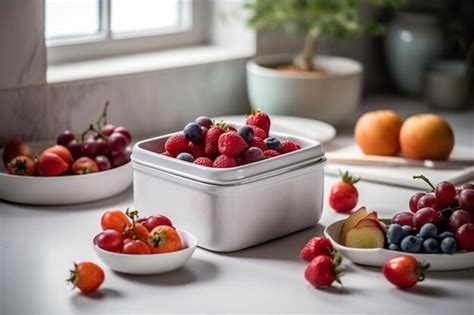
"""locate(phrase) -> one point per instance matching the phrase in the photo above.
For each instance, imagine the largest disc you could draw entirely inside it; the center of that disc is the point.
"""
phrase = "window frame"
(194, 31)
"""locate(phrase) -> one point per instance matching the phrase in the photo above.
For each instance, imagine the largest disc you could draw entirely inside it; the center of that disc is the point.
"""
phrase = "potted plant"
(321, 87)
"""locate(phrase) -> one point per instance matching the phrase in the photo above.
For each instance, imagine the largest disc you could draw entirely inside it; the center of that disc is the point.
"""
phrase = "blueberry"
(431, 245)
(411, 244)
(395, 233)
(246, 132)
(184, 156)
(406, 230)
(428, 230)
(193, 132)
(445, 234)
(204, 121)
(448, 245)
(392, 246)
(273, 143)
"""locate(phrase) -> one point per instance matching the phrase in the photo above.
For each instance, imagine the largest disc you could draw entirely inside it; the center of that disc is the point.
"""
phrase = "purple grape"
(445, 192)
(102, 147)
(458, 218)
(466, 200)
(414, 201)
(253, 154)
(124, 131)
(89, 148)
(107, 130)
(75, 148)
(429, 201)
(119, 158)
(65, 137)
(467, 186)
(117, 142)
(204, 121)
(103, 162)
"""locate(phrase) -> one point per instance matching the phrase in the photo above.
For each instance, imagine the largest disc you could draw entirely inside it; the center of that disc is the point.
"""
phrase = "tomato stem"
(426, 180)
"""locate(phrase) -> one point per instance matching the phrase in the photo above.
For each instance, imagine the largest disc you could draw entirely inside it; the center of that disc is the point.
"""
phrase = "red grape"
(465, 236)
(458, 218)
(65, 137)
(117, 142)
(119, 158)
(468, 186)
(107, 130)
(124, 131)
(102, 148)
(414, 201)
(103, 162)
(89, 148)
(403, 218)
(466, 199)
(155, 220)
(429, 201)
(75, 148)
(423, 216)
(445, 192)
(110, 240)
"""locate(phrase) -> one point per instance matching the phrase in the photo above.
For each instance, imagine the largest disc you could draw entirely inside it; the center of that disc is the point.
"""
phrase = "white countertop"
(39, 244)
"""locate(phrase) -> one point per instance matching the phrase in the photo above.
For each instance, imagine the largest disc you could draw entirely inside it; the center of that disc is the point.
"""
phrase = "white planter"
(327, 97)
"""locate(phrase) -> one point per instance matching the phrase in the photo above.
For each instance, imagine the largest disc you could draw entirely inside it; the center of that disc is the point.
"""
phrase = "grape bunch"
(441, 220)
(103, 142)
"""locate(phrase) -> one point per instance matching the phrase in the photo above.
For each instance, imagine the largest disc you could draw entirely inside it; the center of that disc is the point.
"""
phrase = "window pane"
(130, 16)
(71, 18)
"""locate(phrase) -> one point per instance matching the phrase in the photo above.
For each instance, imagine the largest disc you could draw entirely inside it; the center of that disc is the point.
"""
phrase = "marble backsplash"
(148, 103)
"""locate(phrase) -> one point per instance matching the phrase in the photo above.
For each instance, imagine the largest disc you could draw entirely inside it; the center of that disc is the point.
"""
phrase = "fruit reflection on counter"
(100, 147)
(220, 145)
(440, 221)
(420, 137)
(127, 233)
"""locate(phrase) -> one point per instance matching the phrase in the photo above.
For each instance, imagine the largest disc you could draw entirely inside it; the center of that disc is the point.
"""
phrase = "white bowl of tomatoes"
(142, 246)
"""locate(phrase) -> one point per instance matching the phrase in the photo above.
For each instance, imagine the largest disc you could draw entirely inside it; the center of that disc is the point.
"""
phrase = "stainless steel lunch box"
(234, 208)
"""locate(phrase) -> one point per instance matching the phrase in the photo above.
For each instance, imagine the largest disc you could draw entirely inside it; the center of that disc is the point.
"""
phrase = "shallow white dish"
(59, 190)
(296, 126)
(378, 256)
(152, 263)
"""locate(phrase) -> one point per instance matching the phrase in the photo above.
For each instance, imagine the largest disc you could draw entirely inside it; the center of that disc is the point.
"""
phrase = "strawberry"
(62, 151)
(166, 153)
(224, 161)
(51, 164)
(315, 247)
(231, 144)
(270, 153)
(323, 270)
(211, 147)
(21, 165)
(259, 119)
(258, 132)
(196, 149)
(289, 146)
(204, 161)
(404, 271)
(259, 143)
(176, 144)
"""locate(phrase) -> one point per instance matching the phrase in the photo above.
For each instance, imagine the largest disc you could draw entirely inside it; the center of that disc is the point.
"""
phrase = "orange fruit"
(426, 137)
(377, 132)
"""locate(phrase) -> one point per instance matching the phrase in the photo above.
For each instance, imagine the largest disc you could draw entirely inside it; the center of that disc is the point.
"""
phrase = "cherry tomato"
(110, 240)
(344, 196)
(114, 219)
(404, 271)
(21, 165)
(86, 276)
(136, 247)
(164, 239)
(155, 220)
(84, 165)
(140, 232)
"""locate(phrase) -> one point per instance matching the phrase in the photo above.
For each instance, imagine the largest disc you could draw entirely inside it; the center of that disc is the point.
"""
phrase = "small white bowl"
(376, 257)
(151, 263)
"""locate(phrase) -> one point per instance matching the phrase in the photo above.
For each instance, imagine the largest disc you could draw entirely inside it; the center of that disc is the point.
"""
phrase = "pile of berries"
(441, 220)
(100, 147)
(218, 145)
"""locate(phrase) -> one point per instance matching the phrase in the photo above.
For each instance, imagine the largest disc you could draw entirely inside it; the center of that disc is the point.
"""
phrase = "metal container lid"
(147, 153)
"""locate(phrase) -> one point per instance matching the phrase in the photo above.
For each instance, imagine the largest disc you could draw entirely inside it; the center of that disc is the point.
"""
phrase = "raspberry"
(204, 161)
(258, 132)
(224, 161)
(259, 119)
(259, 143)
(289, 146)
(231, 144)
(176, 144)
(196, 149)
(270, 153)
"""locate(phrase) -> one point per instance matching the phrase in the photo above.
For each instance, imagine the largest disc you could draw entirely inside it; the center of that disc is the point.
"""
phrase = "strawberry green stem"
(348, 178)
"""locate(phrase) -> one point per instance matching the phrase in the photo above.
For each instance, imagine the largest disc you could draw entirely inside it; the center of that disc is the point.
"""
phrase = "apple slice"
(367, 222)
(365, 237)
(351, 221)
(373, 215)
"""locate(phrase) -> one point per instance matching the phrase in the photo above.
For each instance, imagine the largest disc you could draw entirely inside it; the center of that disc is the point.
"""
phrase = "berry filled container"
(230, 209)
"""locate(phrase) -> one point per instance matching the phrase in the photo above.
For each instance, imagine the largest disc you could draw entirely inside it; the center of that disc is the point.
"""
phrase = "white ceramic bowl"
(57, 190)
(152, 263)
(378, 256)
